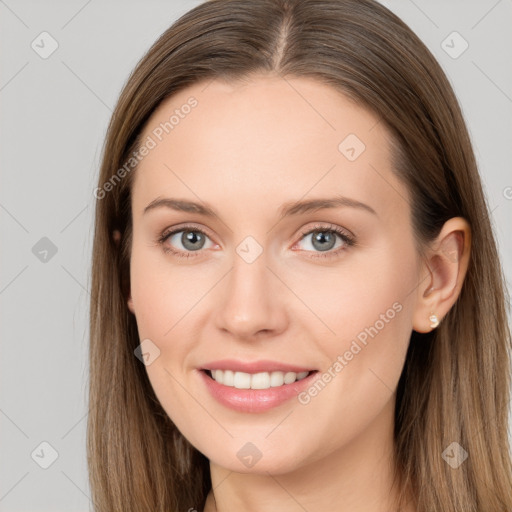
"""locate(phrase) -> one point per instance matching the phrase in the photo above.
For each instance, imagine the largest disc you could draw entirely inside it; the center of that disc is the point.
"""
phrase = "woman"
(234, 361)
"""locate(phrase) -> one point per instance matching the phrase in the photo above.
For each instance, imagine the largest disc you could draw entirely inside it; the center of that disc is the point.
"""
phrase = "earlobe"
(443, 274)
(116, 236)
(130, 304)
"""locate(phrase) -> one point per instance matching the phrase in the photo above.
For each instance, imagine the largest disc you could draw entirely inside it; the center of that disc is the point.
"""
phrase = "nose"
(253, 301)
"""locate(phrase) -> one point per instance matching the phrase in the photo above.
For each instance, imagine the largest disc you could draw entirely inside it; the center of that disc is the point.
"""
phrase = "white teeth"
(262, 380)
(289, 377)
(228, 378)
(276, 379)
(242, 380)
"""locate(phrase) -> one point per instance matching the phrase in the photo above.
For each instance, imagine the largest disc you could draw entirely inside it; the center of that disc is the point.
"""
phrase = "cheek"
(168, 307)
(368, 298)
(364, 359)
(163, 299)
(369, 313)
(162, 292)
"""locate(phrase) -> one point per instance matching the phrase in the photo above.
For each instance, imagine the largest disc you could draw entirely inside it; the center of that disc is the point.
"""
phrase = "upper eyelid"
(327, 227)
(172, 231)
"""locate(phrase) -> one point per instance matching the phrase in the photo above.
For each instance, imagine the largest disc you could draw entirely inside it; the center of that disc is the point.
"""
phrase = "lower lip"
(254, 400)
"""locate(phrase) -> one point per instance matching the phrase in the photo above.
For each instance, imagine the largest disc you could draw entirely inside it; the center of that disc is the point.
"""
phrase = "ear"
(130, 303)
(442, 273)
(116, 236)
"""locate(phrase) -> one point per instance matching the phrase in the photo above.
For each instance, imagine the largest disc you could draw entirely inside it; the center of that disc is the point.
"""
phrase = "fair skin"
(246, 150)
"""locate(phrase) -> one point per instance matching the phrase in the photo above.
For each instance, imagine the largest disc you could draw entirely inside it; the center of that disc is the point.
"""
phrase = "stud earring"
(434, 321)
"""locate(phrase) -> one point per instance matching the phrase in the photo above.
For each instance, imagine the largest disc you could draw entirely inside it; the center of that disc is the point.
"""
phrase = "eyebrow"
(288, 209)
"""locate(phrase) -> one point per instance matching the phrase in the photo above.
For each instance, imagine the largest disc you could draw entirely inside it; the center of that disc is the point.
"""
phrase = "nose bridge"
(251, 300)
(249, 278)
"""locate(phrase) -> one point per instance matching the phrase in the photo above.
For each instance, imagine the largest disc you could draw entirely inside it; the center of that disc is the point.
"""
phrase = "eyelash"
(348, 240)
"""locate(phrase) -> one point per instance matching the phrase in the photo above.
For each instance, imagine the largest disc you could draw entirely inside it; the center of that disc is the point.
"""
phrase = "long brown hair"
(456, 380)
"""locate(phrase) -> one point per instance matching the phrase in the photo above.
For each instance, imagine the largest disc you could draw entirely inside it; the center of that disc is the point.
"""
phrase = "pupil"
(190, 238)
(322, 236)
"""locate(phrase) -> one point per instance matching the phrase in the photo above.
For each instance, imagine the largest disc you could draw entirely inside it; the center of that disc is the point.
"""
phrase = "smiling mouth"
(260, 380)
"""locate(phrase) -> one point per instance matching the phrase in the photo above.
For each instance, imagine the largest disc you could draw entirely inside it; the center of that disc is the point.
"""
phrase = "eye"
(191, 239)
(323, 239)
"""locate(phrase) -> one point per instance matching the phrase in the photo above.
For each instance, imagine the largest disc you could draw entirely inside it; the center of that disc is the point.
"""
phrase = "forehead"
(272, 137)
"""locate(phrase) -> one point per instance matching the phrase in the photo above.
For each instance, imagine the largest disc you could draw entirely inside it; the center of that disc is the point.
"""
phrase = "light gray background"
(54, 117)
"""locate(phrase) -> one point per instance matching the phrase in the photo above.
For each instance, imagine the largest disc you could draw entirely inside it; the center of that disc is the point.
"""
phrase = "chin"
(249, 459)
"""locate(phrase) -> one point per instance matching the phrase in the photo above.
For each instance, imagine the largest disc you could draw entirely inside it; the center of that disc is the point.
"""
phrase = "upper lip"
(254, 366)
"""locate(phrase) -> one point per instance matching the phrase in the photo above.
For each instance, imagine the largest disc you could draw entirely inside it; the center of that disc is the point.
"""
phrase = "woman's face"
(269, 281)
